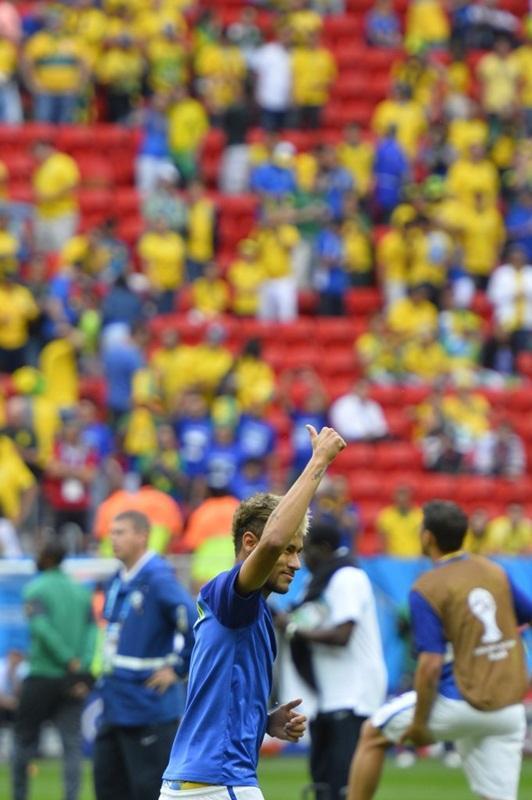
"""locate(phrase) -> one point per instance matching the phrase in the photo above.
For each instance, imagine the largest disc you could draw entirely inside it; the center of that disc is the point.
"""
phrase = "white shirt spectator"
(358, 418)
(273, 66)
(500, 452)
(510, 292)
(9, 542)
(351, 677)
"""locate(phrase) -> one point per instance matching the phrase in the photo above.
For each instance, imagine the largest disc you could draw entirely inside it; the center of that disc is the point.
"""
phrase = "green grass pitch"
(283, 779)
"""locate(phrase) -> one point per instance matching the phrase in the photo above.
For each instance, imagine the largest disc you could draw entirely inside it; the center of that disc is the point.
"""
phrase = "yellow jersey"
(187, 125)
(499, 78)
(59, 173)
(8, 58)
(503, 537)
(17, 310)
(201, 219)
(409, 119)
(408, 318)
(163, 256)
(276, 246)
(210, 297)
(358, 161)
(467, 178)
(245, 278)
(426, 22)
(483, 234)
(57, 62)
(522, 58)
(313, 70)
(401, 531)
(15, 478)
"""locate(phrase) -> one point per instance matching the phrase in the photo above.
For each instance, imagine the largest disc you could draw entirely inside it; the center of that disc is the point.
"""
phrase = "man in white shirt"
(510, 293)
(356, 417)
(336, 648)
(272, 65)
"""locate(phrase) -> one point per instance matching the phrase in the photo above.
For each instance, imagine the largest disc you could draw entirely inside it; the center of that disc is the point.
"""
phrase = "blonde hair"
(253, 514)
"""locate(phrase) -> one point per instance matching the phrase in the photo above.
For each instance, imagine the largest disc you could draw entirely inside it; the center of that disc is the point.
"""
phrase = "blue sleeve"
(427, 628)
(230, 608)
(175, 602)
(522, 604)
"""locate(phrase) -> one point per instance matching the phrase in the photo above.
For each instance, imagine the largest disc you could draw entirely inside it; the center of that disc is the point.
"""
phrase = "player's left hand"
(286, 724)
(418, 735)
(162, 679)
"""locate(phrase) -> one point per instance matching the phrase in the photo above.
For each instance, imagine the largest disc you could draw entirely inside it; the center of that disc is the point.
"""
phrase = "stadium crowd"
(379, 275)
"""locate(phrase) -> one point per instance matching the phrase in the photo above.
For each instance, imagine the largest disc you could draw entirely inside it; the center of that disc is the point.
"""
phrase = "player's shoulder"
(349, 578)
(446, 574)
(223, 581)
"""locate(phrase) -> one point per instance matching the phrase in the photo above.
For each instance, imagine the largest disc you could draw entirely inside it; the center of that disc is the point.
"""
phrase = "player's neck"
(131, 562)
(440, 558)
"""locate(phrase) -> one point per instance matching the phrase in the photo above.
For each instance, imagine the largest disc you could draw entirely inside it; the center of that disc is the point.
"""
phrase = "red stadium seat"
(237, 205)
(280, 421)
(343, 26)
(74, 139)
(338, 386)
(354, 457)
(113, 139)
(339, 362)
(369, 543)
(365, 485)
(517, 490)
(474, 489)
(96, 171)
(524, 364)
(20, 165)
(363, 302)
(433, 486)
(293, 334)
(96, 203)
(131, 229)
(307, 301)
(32, 132)
(10, 141)
(399, 423)
(482, 306)
(397, 455)
(126, 202)
(334, 331)
(369, 512)
(519, 399)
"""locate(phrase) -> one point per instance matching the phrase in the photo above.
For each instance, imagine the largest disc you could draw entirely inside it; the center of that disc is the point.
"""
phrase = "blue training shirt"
(145, 612)
(230, 682)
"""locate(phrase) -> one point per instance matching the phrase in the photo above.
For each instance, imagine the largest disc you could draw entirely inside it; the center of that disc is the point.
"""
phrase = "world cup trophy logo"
(483, 606)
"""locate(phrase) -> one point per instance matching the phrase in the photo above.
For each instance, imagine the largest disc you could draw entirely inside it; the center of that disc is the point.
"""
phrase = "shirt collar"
(454, 556)
(128, 575)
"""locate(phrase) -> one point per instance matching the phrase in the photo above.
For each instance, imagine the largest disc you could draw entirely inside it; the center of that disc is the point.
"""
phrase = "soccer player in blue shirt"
(216, 750)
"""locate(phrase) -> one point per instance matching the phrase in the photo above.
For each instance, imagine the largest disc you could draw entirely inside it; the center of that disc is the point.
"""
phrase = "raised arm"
(288, 516)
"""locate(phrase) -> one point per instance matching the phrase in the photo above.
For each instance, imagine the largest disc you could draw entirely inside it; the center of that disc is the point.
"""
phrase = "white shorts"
(489, 742)
(210, 793)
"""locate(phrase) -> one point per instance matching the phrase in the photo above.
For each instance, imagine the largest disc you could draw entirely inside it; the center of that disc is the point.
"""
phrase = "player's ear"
(426, 541)
(249, 541)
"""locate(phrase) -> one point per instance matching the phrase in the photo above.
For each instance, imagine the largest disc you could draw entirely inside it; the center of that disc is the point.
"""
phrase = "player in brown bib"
(471, 675)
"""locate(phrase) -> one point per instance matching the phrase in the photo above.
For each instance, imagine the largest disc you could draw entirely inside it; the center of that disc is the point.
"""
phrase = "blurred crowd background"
(220, 222)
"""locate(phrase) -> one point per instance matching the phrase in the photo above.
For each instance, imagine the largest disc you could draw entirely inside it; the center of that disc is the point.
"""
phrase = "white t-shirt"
(9, 542)
(355, 418)
(353, 676)
(272, 63)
